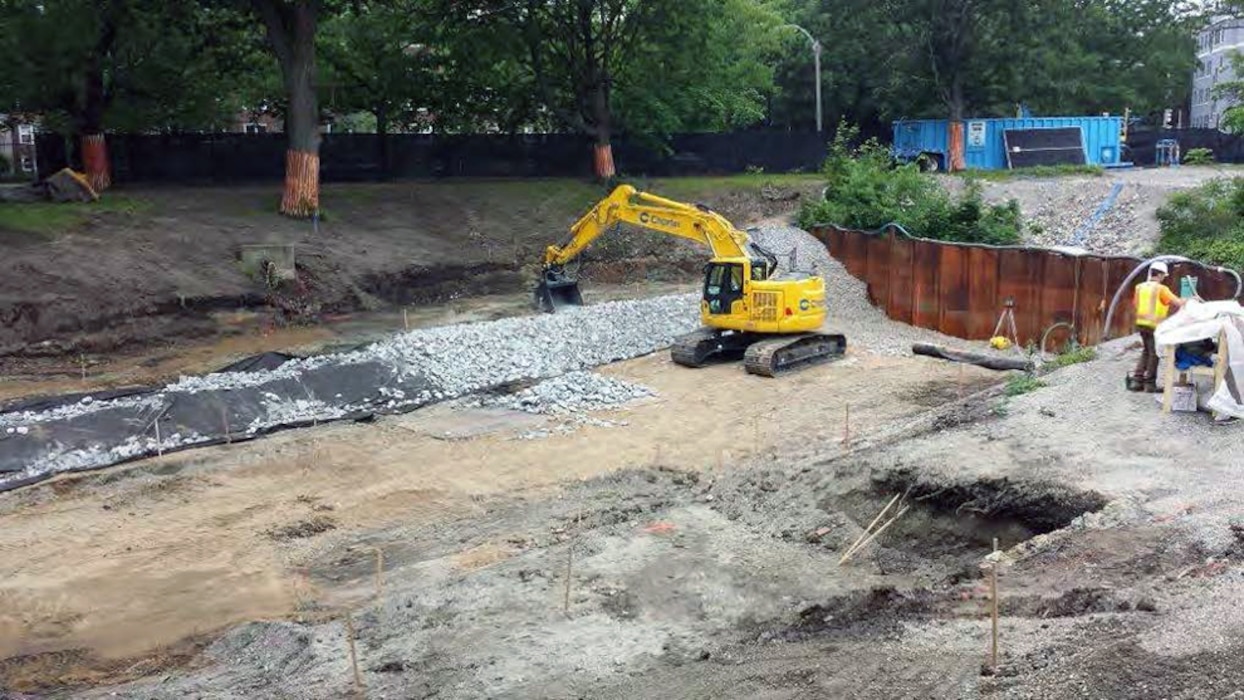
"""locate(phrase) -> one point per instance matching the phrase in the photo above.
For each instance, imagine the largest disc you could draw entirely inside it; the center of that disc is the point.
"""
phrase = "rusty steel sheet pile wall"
(961, 289)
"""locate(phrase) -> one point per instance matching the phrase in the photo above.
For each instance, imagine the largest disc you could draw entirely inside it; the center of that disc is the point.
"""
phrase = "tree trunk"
(94, 148)
(95, 162)
(604, 148)
(957, 109)
(291, 30)
(382, 140)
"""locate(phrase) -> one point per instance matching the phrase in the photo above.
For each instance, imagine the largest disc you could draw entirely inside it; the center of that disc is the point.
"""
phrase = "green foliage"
(1056, 56)
(1021, 384)
(127, 65)
(1073, 355)
(866, 190)
(1206, 223)
(1199, 156)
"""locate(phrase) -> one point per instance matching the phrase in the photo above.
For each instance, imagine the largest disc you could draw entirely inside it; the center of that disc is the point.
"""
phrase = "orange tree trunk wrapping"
(604, 161)
(302, 184)
(95, 162)
(956, 147)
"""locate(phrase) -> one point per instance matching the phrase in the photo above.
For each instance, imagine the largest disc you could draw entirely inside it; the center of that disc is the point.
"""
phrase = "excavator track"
(702, 347)
(780, 355)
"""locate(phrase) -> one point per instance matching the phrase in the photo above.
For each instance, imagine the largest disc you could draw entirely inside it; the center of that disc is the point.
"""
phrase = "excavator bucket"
(556, 291)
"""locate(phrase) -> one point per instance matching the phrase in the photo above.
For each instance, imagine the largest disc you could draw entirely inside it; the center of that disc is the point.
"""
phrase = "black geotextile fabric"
(114, 427)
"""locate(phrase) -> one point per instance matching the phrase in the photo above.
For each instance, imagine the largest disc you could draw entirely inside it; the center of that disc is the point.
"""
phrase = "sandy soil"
(131, 560)
(1120, 568)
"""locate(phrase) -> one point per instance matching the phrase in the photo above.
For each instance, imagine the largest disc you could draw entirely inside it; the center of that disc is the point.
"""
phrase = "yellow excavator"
(772, 318)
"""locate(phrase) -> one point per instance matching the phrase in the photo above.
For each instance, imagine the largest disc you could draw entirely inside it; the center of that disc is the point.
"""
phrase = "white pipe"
(1239, 285)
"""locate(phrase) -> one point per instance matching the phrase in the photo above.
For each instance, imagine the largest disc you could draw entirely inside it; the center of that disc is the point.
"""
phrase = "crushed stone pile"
(395, 375)
(571, 393)
(850, 312)
(1059, 208)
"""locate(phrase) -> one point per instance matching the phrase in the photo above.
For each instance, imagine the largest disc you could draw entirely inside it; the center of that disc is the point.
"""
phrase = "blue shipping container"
(983, 148)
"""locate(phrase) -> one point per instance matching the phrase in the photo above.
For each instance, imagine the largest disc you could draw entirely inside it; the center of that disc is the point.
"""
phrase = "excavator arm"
(628, 205)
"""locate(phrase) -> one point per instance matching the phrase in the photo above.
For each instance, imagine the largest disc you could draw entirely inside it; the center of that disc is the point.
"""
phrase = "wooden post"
(379, 574)
(870, 527)
(574, 535)
(354, 661)
(159, 442)
(993, 597)
(960, 382)
(846, 428)
(224, 420)
(82, 362)
(405, 320)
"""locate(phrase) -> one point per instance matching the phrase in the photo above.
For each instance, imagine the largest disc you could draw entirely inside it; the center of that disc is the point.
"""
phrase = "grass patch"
(690, 187)
(50, 218)
(1035, 171)
(1022, 384)
(1073, 356)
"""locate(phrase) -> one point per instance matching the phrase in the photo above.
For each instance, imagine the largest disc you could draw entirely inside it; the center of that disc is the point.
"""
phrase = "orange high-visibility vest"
(1152, 303)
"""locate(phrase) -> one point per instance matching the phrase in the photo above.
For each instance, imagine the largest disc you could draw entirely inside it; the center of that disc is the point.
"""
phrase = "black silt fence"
(231, 158)
(1227, 148)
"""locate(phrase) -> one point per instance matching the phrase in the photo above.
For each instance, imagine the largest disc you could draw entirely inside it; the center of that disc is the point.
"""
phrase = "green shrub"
(867, 190)
(1022, 384)
(1199, 156)
(1206, 223)
(1073, 355)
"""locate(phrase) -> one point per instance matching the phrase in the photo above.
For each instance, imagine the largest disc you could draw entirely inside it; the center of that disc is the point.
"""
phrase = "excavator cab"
(557, 290)
(723, 285)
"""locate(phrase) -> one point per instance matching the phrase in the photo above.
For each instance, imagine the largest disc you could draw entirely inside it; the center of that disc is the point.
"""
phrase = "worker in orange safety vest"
(1153, 301)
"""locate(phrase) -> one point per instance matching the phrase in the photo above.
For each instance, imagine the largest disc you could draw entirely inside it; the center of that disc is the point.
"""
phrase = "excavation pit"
(949, 527)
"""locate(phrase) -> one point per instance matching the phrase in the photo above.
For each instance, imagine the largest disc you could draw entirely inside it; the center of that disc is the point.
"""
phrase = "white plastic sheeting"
(1199, 321)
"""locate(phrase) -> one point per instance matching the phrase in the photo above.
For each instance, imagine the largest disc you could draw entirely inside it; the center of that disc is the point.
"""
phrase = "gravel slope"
(867, 328)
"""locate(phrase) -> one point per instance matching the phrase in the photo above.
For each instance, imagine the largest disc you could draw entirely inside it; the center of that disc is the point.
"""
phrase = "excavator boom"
(749, 310)
(625, 204)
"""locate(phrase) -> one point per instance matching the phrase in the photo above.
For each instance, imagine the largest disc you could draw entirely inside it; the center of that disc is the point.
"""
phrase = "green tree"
(600, 66)
(374, 63)
(133, 65)
(857, 63)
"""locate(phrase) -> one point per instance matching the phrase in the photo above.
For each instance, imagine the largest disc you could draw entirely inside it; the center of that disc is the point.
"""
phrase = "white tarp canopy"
(1202, 320)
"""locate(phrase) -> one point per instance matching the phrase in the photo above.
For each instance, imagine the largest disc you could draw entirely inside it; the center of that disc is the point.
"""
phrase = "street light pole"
(816, 54)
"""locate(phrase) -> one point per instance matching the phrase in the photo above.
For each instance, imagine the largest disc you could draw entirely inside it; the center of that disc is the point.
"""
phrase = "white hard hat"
(1159, 267)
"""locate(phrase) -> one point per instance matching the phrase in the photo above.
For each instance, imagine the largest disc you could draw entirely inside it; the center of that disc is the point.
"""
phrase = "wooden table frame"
(1218, 371)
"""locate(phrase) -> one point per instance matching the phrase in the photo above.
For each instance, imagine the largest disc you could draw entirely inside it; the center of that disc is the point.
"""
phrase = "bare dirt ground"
(165, 271)
(705, 549)
(687, 545)
(119, 564)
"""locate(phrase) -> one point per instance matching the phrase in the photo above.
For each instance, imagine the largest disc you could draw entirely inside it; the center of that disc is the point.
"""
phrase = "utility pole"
(816, 54)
